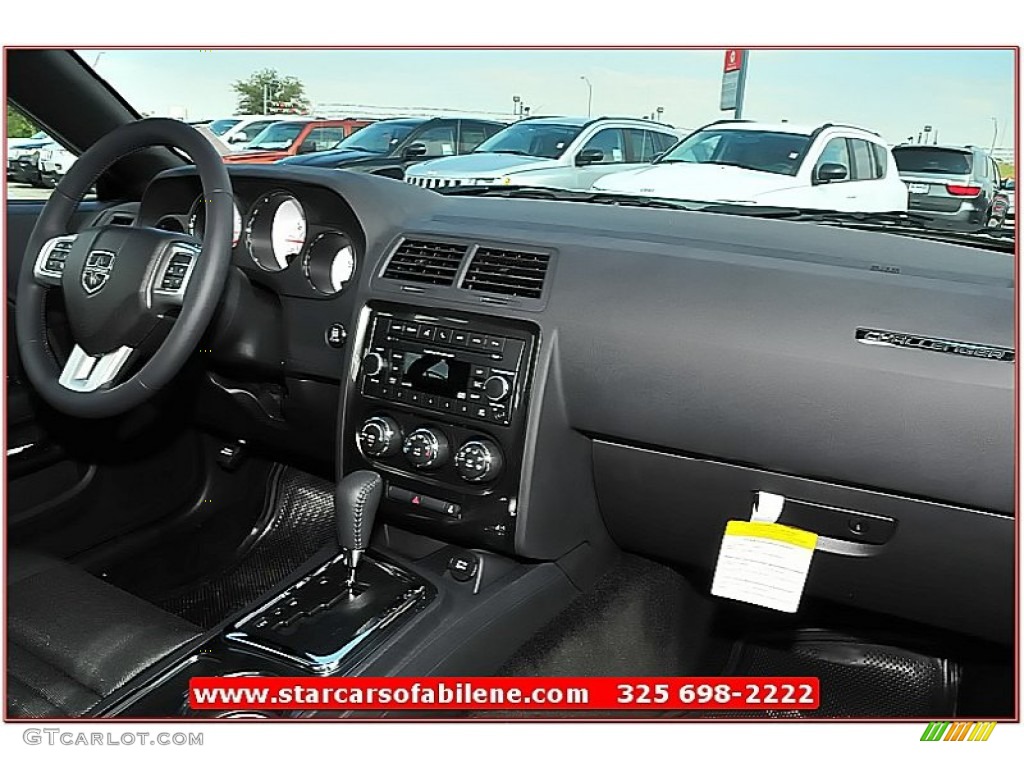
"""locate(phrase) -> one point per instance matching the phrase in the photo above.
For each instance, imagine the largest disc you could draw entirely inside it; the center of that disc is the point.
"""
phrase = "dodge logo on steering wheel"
(96, 272)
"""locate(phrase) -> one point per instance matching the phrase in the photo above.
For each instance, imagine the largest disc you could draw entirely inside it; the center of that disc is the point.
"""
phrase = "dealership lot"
(18, 191)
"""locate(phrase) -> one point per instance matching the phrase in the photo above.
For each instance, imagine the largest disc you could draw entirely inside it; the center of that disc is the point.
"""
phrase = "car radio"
(438, 408)
(447, 367)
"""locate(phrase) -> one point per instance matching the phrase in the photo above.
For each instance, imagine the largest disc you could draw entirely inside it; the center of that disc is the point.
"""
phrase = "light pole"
(96, 61)
(590, 94)
(995, 134)
(660, 111)
(516, 109)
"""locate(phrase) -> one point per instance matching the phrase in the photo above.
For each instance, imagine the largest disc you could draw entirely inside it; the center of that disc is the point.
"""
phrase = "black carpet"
(295, 519)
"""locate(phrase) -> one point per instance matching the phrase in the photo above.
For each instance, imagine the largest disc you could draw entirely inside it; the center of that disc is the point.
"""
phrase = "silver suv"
(563, 152)
(960, 184)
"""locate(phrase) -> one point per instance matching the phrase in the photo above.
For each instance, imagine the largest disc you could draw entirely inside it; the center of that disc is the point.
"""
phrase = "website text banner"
(503, 693)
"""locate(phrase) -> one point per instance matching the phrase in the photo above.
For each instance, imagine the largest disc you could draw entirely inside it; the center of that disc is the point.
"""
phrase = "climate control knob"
(380, 437)
(373, 364)
(426, 448)
(497, 388)
(479, 460)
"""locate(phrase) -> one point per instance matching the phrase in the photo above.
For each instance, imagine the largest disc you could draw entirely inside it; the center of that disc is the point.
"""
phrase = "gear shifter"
(356, 498)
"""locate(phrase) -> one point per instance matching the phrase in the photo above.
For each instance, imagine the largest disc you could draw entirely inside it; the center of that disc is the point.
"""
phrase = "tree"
(267, 92)
(19, 126)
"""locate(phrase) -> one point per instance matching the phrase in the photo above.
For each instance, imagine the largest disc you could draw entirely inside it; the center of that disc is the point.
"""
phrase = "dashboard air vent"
(422, 261)
(121, 219)
(512, 273)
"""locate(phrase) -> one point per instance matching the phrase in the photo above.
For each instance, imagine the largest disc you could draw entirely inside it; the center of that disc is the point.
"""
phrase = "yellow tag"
(764, 564)
(774, 531)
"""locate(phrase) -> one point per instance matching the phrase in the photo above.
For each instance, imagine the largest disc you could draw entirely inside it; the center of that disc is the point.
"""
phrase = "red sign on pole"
(733, 59)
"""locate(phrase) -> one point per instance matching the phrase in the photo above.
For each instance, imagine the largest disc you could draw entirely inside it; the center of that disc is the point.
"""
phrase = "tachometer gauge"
(197, 220)
(276, 232)
(331, 262)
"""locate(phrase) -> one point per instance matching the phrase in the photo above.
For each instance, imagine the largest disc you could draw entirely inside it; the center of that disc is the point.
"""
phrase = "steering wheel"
(120, 284)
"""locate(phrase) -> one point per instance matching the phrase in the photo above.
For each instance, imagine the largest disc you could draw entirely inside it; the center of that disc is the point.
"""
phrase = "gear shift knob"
(356, 498)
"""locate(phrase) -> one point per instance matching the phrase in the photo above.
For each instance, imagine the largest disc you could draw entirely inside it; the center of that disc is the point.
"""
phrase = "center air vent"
(421, 261)
(512, 273)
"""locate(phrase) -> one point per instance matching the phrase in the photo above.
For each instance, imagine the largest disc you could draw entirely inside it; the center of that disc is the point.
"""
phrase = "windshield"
(377, 138)
(949, 162)
(220, 127)
(767, 151)
(277, 136)
(532, 139)
(515, 111)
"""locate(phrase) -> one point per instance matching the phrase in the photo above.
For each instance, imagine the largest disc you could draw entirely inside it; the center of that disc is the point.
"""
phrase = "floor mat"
(858, 678)
(297, 519)
(645, 619)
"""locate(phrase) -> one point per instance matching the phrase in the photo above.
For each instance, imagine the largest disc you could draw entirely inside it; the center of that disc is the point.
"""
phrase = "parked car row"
(389, 147)
(823, 167)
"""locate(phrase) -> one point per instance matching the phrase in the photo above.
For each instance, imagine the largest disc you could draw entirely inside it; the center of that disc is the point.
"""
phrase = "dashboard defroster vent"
(508, 272)
(423, 261)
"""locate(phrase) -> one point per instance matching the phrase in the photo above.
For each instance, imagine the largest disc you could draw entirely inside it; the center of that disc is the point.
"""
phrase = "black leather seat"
(73, 639)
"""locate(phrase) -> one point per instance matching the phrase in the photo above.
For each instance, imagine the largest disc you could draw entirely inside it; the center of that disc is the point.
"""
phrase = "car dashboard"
(535, 377)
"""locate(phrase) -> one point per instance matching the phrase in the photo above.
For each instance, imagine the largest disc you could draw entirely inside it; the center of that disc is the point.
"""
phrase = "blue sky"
(893, 92)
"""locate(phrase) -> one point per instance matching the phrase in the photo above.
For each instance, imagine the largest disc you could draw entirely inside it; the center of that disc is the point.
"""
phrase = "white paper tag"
(764, 563)
(768, 507)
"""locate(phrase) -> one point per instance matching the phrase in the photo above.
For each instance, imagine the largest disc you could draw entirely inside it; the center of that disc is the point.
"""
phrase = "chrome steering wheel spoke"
(86, 373)
(51, 260)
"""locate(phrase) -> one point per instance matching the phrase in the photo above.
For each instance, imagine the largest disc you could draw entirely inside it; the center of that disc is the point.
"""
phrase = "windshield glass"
(377, 138)
(652, 123)
(532, 139)
(220, 127)
(948, 162)
(767, 151)
(277, 136)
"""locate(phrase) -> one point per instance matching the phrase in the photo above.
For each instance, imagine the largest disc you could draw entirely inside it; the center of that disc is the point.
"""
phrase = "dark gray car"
(961, 184)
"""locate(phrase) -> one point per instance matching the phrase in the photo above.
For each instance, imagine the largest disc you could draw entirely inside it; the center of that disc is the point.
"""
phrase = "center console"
(433, 435)
(438, 408)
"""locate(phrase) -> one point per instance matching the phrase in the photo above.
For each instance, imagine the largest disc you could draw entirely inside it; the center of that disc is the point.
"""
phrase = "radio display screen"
(435, 374)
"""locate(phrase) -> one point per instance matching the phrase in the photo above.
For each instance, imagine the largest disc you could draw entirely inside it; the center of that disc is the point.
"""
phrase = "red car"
(295, 136)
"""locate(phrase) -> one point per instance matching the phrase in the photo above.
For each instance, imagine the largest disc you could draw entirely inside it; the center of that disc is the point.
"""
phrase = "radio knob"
(373, 364)
(380, 437)
(479, 460)
(497, 388)
(426, 448)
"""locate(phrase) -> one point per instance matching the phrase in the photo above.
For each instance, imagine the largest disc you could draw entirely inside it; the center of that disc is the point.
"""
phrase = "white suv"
(563, 152)
(829, 167)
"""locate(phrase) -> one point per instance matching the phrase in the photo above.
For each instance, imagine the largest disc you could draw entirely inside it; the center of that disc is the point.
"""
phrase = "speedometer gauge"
(331, 262)
(197, 220)
(288, 232)
(276, 232)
